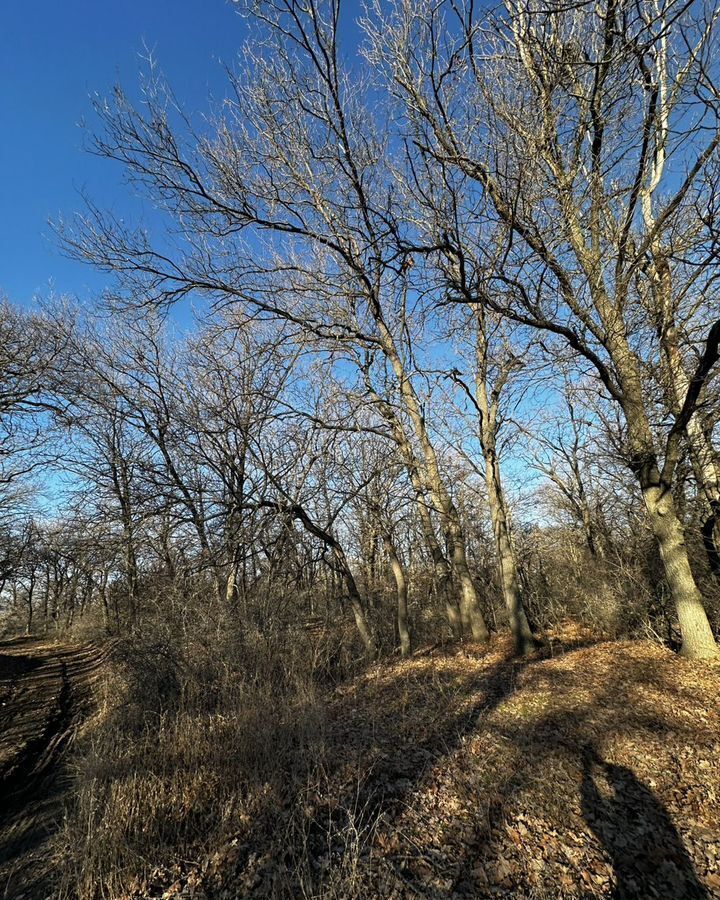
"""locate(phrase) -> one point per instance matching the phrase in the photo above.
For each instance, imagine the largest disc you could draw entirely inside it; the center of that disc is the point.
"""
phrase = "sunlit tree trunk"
(703, 456)
(697, 637)
(488, 408)
(428, 469)
(402, 595)
(442, 573)
(546, 120)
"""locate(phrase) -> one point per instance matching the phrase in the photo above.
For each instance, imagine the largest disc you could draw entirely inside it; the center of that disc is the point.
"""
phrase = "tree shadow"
(388, 768)
(634, 828)
(396, 731)
(631, 825)
(12, 665)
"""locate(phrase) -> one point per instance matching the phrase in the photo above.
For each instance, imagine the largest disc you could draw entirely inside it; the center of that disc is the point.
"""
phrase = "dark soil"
(44, 692)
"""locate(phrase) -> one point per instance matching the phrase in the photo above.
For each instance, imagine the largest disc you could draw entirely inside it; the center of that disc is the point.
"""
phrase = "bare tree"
(589, 134)
(30, 348)
(288, 210)
(562, 453)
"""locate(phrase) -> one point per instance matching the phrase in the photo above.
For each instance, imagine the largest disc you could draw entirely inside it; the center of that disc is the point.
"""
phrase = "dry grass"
(589, 770)
(184, 752)
(470, 774)
(592, 773)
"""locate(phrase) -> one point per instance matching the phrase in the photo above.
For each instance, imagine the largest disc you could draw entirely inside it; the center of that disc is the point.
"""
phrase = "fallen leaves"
(592, 773)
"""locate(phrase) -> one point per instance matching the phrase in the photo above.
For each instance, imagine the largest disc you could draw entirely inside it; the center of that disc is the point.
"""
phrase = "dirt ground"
(44, 689)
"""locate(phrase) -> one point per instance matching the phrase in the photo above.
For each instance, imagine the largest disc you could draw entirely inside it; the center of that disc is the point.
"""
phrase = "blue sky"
(53, 56)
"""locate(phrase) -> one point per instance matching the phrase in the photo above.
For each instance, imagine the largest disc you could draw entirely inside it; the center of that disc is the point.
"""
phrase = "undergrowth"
(192, 741)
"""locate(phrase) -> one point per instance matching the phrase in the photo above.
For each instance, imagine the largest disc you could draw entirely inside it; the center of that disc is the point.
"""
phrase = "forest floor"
(44, 689)
(590, 770)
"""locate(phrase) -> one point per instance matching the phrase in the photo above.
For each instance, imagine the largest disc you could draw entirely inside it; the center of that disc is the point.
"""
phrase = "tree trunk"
(131, 574)
(402, 596)
(711, 538)
(472, 619)
(697, 637)
(488, 408)
(704, 459)
(441, 567)
(429, 468)
(46, 599)
(30, 593)
(707, 473)
(594, 546)
(525, 641)
(340, 566)
(371, 557)
(231, 583)
(356, 604)
(103, 597)
(703, 456)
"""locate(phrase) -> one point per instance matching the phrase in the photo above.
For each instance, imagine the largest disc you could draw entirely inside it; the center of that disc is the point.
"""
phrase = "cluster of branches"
(213, 470)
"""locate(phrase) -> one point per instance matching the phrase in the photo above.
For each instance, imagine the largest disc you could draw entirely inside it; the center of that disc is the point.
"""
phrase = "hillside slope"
(589, 771)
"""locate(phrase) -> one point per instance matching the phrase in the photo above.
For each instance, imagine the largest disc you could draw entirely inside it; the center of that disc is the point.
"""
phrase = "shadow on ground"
(635, 830)
(488, 776)
(588, 771)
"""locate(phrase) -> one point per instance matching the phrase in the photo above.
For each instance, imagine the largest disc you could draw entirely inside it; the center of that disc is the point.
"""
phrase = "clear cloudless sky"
(53, 57)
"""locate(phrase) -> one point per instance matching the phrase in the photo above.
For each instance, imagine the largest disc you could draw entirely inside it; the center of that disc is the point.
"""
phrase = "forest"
(376, 500)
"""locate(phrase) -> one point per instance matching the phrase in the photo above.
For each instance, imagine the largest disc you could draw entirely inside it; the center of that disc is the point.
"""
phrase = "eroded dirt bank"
(45, 689)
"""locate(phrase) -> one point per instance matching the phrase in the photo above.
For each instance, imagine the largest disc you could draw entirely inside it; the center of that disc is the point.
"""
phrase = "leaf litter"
(590, 769)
